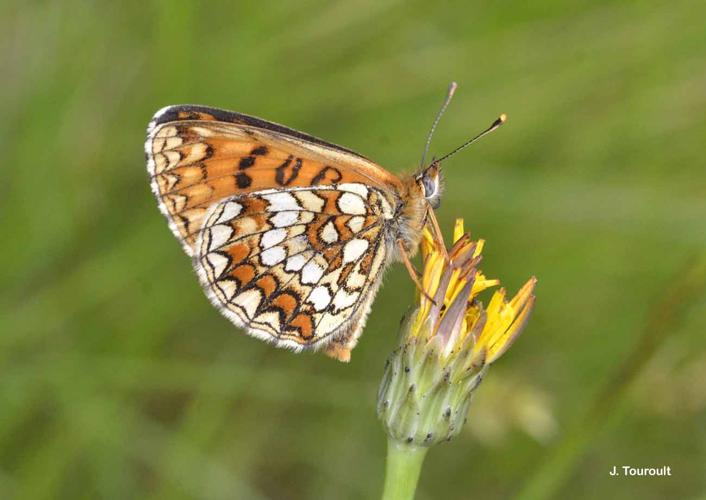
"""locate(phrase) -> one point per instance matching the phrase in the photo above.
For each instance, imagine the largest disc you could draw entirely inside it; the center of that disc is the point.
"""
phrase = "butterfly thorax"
(410, 217)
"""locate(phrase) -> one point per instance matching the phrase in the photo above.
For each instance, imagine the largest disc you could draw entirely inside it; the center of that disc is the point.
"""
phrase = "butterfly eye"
(430, 186)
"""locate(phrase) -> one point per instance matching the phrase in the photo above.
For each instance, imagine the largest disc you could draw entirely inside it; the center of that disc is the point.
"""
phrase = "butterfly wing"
(197, 156)
(298, 267)
(286, 231)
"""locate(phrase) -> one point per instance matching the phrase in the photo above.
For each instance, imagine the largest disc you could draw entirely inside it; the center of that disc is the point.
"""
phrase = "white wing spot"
(171, 142)
(281, 201)
(202, 131)
(219, 235)
(248, 300)
(358, 189)
(343, 299)
(272, 256)
(228, 288)
(312, 273)
(329, 233)
(306, 217)
(230, 211)
(270, 318)
(284, 218)
(177, 201)
(217, 262)
(297, 244)
(310, 201)
(272, 237)
(196, 153)
(355, 280)
(172, 158)
(355, 224)
(350, 203)
(320, 297)
(295, 262)
(169, 179)
(354, 249)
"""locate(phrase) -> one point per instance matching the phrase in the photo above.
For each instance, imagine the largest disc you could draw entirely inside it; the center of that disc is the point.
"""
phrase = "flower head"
(455, 316)
(448, 342)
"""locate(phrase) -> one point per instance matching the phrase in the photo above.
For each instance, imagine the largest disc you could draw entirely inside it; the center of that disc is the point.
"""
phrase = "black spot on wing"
(329, 173)
(284, 175)
(246, 162)
(242, 180)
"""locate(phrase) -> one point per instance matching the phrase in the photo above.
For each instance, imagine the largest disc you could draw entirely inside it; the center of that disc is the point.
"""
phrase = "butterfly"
(289, 235)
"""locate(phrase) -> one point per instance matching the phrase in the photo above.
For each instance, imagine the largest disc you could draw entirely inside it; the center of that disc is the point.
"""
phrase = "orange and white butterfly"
(289, 234)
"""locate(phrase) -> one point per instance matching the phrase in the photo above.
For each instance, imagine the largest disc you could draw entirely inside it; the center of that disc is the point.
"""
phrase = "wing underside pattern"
(287, 232)
(295, 267)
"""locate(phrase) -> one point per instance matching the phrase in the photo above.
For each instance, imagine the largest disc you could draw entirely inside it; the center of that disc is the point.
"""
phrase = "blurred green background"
(119, 380)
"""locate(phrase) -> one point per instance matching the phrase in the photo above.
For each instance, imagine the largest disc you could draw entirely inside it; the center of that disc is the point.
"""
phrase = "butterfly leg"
(436, 231)
(413, 273)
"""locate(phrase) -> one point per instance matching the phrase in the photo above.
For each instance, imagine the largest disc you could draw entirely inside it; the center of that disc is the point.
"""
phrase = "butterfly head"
(430, 182)
(429, 178)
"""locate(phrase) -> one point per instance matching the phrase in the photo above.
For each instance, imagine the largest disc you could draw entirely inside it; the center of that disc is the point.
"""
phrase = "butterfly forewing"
(198, 156)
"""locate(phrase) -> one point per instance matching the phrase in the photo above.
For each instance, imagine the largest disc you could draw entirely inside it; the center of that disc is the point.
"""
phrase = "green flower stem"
(404, 463)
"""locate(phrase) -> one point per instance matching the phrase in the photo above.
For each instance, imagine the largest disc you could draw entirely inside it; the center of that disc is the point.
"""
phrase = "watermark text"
(629, 471)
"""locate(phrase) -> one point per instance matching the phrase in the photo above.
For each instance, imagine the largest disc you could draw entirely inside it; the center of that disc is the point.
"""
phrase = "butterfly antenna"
(495, 125)
(447, 100)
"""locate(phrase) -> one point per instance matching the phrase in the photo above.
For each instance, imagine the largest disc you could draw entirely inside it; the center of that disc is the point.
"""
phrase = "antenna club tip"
(503, 118)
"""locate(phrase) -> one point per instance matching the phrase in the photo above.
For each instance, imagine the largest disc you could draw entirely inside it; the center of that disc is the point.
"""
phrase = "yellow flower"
(449, 307)
(448, 342)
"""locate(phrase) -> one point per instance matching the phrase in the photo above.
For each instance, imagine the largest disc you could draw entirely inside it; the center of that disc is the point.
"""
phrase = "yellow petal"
(479, 248)
(458, 230)
(505, 321)
(427, 243)
(504, 341)
(482, 283)
(524, 293)
(492, 319)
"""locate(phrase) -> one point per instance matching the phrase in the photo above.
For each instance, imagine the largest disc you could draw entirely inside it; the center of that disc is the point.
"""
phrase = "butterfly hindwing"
(299, 266)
